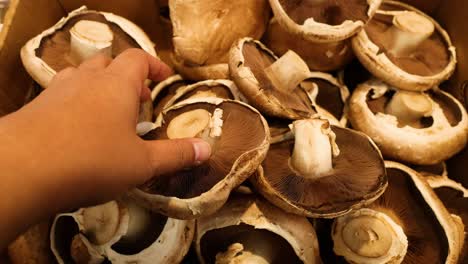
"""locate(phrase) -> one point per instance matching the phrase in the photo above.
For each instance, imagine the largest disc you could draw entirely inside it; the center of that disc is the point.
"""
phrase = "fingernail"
(202, 151)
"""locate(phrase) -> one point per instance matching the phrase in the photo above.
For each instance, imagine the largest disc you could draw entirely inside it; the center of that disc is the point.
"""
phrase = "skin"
(75, 145)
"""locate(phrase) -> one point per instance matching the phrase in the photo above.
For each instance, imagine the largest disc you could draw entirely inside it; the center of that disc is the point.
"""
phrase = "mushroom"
(318, 56)
(420, 128)
(324, 20)
(121, 232)
(406, 48)
(407, 224)
(321, 170)
(270, 84)
(80, 35)
(205, 30)
(455, 198)
(239, 139)
(32, 246)
(249, 230)
(175, 90)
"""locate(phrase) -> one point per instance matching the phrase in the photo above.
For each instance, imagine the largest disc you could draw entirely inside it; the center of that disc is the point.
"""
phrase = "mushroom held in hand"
(318, 56)
(80, 35)
(325, 171)
(407, 224)
(239, 138)
(406, 48)
(270, 84)
(205, 30)
(249, 230)
(419, 128)
(324, 20)
(121, 232)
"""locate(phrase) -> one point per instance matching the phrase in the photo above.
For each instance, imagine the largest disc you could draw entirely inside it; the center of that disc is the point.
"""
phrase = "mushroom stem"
(138, 223)
(287, 72)
(314, 148)
(409, 107)
(369, 236)
(88, 38)
(236, 254)
(409, 30)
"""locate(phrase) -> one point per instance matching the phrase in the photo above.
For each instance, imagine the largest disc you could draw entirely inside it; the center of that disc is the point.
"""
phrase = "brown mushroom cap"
(357, 178)
(260, 228)
(411, 204)
(164, 92)
(236, 154)
(205, 31)
(318, 56)
(428, 139)
(324, 20)
(456, 201)
(420, 68)
(248, 60)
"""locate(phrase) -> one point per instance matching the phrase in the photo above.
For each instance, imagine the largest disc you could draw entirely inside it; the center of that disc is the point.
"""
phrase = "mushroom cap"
(166, 241)
(204, 189)
(248, 59)
(410, 73)
(318, 56)
(32, 246)
(357, 179)
(164, 91)
(405, 182)
(205, 30)
(455, 198)
(326, 21)
(42, 72)
(446, 136)
(202, 72)
(246, 213)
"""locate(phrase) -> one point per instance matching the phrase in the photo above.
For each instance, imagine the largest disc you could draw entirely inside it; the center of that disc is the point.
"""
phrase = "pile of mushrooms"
(290, 180)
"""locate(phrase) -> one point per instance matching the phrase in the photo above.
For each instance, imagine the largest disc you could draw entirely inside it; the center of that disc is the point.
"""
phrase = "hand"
(76, 143)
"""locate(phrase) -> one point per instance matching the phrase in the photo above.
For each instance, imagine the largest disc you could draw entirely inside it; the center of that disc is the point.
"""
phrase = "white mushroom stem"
(88, 38)
(409, 30)
(409, 107)
(314, 148)
(138, 223)
(197, 123)
(368, 236)
(236, 254)
(288, 72)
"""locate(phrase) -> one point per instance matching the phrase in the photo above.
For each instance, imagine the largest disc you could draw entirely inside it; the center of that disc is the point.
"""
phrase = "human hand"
(79, 136)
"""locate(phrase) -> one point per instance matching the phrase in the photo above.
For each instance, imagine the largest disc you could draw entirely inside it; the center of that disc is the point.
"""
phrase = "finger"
(97, 62)
(138, 65)
(145, 94)
(168, 156)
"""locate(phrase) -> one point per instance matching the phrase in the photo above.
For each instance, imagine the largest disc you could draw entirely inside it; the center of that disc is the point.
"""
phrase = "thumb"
(168, 156)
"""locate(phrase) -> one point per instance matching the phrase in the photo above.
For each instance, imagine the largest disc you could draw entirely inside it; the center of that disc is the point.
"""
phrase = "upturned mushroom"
(406, 48)
(80, 35)
(250, 230)
(121, 232)
(421, 128)
(324, 20)
(407, 224)
(321, 170)
(455, 199)
(270, 84)
(239, 138)
(164, 91)
(318, 56)
(205, 30)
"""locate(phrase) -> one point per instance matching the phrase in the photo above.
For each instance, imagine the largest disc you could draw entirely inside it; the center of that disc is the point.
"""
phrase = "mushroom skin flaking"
(418, 128)
(324, 21)
(407, 224)
(406, 48)
(121, 232)
(247, 229)
(322, 172)
(203, 189)
(121, 34)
